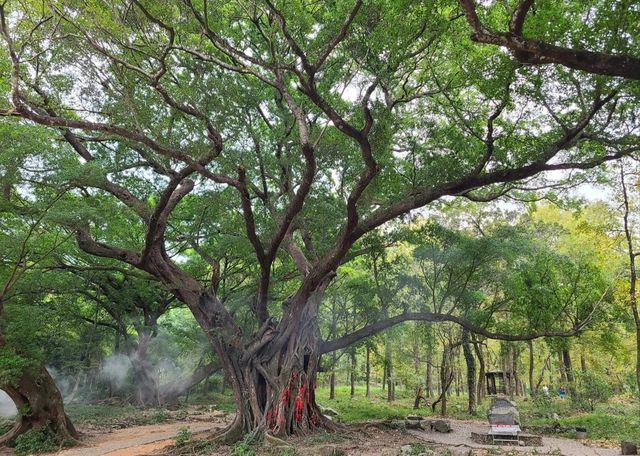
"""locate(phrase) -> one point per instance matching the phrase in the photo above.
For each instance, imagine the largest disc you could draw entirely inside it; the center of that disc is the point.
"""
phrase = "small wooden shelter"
(497, 382)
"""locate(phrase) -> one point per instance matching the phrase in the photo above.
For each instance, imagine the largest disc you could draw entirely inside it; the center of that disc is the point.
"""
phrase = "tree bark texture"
(531, 367)
(368, 371)
(39, 405)
(481, 371)
(471, 373)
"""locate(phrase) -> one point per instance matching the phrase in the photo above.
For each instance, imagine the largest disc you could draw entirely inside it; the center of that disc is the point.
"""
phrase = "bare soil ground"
(354, 440)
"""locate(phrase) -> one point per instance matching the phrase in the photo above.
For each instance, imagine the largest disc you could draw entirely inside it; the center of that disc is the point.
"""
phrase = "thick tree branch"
(177, 189)
(374, 328)
(93, 247)
(531, 51)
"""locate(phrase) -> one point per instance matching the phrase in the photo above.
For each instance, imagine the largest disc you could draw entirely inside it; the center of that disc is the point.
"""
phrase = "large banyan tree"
(297, 128)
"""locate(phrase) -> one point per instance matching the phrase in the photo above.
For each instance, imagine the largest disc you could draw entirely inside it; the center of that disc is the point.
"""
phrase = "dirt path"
(461, 437)
(143, 440)
(137, 440)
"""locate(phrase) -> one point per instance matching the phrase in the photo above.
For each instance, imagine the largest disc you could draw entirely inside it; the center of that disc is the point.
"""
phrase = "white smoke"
(115, 369)
(63, 383)
(7, 407)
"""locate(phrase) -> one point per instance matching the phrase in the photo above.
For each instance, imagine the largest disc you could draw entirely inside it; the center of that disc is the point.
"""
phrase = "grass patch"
(376, 407)
(618, 419)
(217, 401)
(361, 408)
(115, 415)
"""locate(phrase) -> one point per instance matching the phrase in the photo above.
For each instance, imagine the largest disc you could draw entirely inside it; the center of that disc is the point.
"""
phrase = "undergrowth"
(38, 440)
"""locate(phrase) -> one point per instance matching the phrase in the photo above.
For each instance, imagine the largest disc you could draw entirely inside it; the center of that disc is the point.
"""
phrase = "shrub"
(5, 426)
(38, 440)
(592, 389)
(543, 406)
(245, 446)
(289, 452)
(161, 416)
(183, 436)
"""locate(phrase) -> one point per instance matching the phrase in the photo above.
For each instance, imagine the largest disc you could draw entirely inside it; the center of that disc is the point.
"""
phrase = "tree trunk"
(273, 371)
(481, 373)
(633, 274)
(388, 362)
(515, 354)
(429, 375)
(446, 377)
(568, 366)
(563, 372)
(352, 377)
(40, 406)
(471, 372)
(384, 377)
(368, 370)
(583, 362)
(332, 384)
(274, 383)
(145, 378)
(531, 386)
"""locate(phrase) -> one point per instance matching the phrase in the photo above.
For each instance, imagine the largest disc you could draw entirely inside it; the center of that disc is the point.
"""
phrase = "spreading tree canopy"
(282, 135)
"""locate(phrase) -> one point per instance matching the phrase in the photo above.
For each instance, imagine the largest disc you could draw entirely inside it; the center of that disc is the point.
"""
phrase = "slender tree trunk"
(333, 332)
(384, 376)
(332, 385)
(515, 354)
(444, 381)
(446, 378)
(388, 361)
(506, 368)
(332, 379)
(561, 368)
(481, 372)
(367, 372)
(429, 375)
(545, 366)
(568, 365)
(353, 374)
(531, 365)
(633, 276)
(471, 372)
(583, 362)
